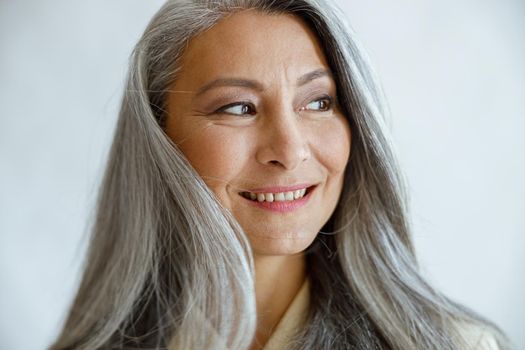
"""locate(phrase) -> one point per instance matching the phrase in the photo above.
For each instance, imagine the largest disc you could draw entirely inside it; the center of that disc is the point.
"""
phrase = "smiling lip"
(283, 206)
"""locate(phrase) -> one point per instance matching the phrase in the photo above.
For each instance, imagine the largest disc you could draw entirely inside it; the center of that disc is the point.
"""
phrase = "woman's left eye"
(321, 104)
(237, 108)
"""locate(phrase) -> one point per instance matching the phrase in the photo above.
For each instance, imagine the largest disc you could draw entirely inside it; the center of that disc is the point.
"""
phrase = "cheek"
(215, 154)
(331, 142)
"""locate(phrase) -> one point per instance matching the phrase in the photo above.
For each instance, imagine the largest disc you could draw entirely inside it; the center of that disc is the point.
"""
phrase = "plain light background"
(453, 74)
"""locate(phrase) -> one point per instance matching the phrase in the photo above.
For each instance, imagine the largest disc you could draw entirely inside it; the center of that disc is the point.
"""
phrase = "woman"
(251, 198)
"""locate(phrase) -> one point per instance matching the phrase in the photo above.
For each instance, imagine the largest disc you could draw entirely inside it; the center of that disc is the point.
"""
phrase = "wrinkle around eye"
(197, 113)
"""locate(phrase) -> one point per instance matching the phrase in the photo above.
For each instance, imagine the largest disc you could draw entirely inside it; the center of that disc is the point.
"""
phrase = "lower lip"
(283, 206)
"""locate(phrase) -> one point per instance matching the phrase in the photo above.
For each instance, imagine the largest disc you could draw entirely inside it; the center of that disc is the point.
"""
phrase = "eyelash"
(327, 98)
(222, 110)
(235, 104)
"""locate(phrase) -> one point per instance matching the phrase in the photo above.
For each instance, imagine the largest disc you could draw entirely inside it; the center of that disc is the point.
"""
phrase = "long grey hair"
(168, 265)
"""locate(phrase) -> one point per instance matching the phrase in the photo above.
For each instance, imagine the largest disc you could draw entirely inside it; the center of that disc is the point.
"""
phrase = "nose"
(282, 141)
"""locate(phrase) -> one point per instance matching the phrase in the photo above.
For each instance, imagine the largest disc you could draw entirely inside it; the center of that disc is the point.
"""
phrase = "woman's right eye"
(237, 108)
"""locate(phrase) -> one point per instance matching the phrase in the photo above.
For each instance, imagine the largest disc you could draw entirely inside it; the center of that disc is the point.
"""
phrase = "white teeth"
(279, 197)
(275, 197)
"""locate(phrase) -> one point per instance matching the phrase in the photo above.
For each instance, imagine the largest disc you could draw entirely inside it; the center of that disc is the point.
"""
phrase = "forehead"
(251, 43)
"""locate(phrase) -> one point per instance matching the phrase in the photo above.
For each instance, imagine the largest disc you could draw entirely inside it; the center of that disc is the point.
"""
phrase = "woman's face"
(253, 109)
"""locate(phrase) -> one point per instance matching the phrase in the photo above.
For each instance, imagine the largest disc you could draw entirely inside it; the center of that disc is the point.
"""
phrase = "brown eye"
(237, 108)
(321, 104)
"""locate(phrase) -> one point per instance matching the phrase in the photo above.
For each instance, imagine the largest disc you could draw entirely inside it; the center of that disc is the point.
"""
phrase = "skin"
(284, 134)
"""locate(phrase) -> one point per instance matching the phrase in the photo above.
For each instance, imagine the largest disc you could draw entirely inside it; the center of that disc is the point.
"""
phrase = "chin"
(283, 245)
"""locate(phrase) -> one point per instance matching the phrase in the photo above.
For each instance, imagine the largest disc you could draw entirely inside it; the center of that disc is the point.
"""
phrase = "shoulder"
(478, 337)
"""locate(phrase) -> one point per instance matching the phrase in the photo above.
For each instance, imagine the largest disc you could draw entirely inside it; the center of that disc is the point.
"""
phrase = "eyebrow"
(255, 85)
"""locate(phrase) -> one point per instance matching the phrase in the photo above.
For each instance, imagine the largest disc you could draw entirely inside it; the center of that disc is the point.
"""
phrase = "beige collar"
(292, 319)
(288, 325)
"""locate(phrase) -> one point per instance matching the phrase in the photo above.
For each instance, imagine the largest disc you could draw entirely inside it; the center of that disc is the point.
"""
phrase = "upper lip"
(278, 189)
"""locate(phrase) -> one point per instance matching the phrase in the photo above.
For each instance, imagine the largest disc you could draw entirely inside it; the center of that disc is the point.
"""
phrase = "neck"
(277, 281)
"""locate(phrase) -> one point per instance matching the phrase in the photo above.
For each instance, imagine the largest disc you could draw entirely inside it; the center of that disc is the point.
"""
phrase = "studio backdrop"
(453, 73)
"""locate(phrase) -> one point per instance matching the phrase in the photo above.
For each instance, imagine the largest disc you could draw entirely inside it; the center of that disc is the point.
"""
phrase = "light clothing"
(292, 319)
(295, 315)
(285, 329)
